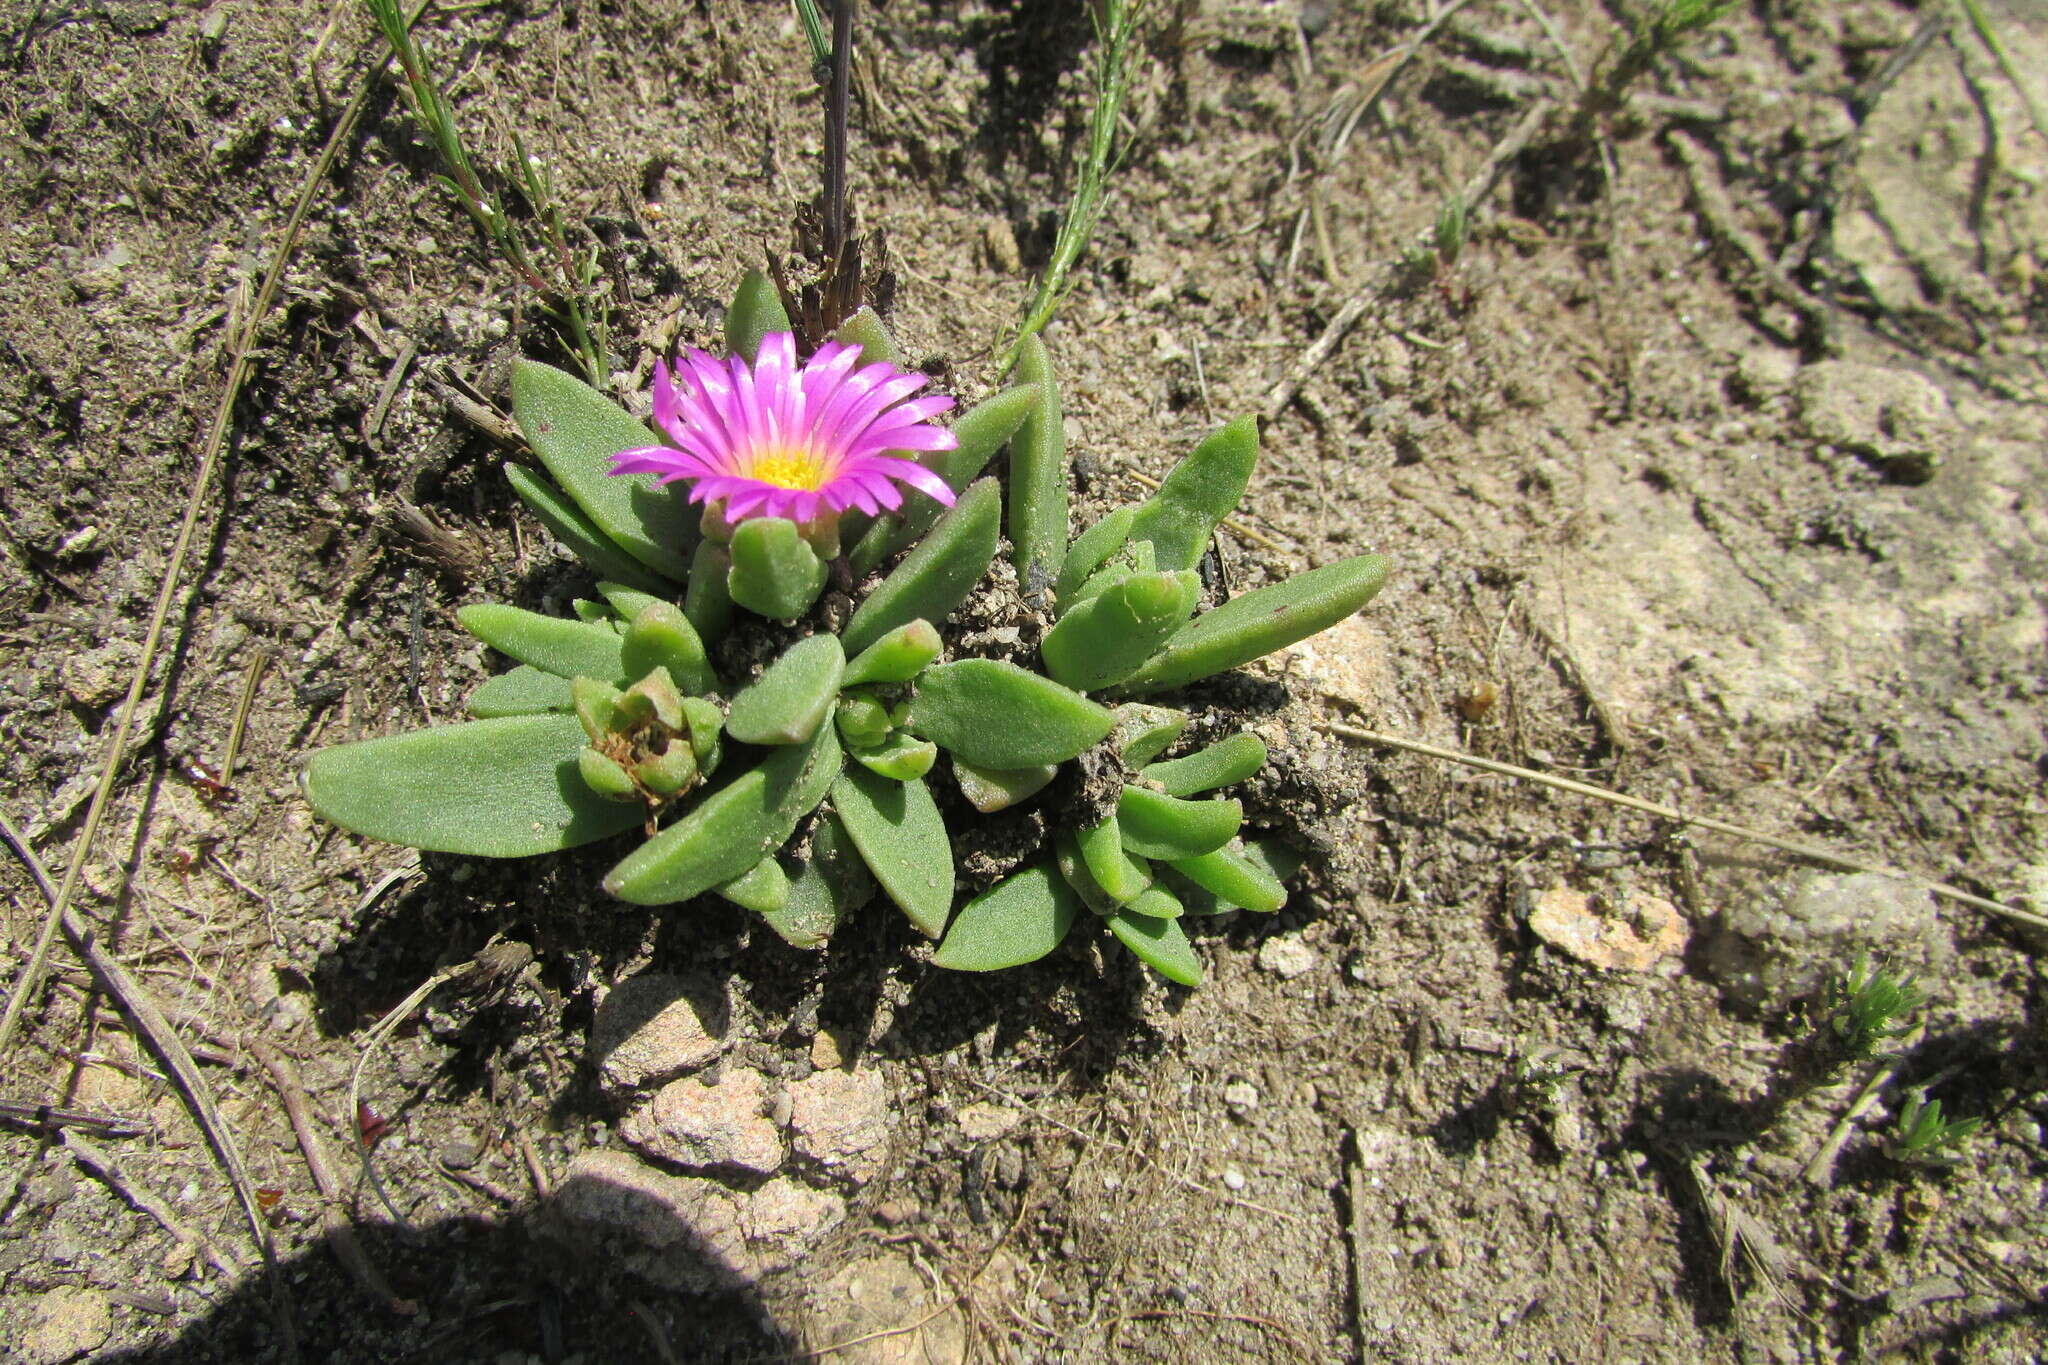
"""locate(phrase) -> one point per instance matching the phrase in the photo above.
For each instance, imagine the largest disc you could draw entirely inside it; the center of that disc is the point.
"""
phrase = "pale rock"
(66, 1323)
(1287, 957)
(1242, 1097)
(694, 1124)
(785, 1218)
(1793, 933)
(840, 1120)
(655, 1027)
(982, 1121)
(1643, 934)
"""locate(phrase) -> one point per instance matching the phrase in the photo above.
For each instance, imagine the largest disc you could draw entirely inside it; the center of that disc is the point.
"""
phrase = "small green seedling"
(1871, 1007)
(1920, 1134)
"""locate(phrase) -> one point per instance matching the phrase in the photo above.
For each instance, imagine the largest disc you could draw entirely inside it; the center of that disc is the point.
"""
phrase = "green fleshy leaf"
(568, 524)
(1221, 764)
(732, 828)
(863, 721)
(1235, 878)
(900, 757)
(774, 572)
(831, 884)
(576, 430)
(592, 613)
(897, 828)
(865, 330)
(1261, 621)
(792, 697)
(660, 636)
(501, 788)
(708, 601)
(1106, 638)
(1272, 857)
(980, 432)
(1166, 827)
(1018, 920)
(1144, 732)
(1073, 869)
(1119, 874)
(1156, 902)
(655, 695)
(763, 888)
(1197, 902)
(1197, 494)
(705, 723)
(1039, 525)
(997, 715)
(670, 771)
(897, 657)
(597, 706)
(1089, 552)
(1161, 943)
(935, 577)
(627, 602)
(524, 691)
(989, 790)
(756, 311)
(604, 776)
(568, 649)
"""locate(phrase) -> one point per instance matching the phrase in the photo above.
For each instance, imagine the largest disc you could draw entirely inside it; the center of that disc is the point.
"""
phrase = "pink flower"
(782, 441)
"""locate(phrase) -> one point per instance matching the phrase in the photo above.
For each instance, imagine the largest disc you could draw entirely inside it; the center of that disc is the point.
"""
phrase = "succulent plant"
(803, 791)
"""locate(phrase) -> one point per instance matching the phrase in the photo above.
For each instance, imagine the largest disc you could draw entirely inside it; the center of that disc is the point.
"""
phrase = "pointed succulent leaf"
(763, 888)
(863, 722)
(568, 524)
(831, 884)
(1018, 920)
(705, 722)
(732, 828)
(1272, 857)
(1198, 493)
(1090, 551)
(708, 599)
(1073, 869)
(576, 430)
(1144, 732)
(900, 756)
(1197, 901)
(1115, 871)
(997, 715)
(935, 577)
(654, 695)
(1107, 638)
(902, 839)
(604, 776)
(981, 432)
(755, 312)
(670, 771)
(660, 636)
(569, 649)
(1161, 943)
(592, 613)
(774, 572)
(627, 601)
(792, 697)
(1156, 902)
(1235, 878)
(1261, 621)
(865, 330)
(522, 692)
(597, 706)
(989, 790)
(1222, 763)
(502, 788)
(1158, 826)
(1038, 479)
(897, 657)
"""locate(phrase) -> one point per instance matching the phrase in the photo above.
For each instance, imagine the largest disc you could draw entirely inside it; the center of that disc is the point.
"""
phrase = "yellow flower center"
(790, 467)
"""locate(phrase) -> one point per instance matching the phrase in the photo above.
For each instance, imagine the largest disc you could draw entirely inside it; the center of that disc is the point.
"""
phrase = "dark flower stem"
(835, 133)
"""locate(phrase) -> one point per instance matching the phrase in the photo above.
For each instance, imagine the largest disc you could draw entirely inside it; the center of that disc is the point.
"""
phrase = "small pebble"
(1242, 1097)
(1233, 1178)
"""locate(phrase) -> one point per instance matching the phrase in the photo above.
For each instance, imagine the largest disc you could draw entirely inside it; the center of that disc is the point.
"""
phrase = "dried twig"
(1810, 852)
(1717, 211)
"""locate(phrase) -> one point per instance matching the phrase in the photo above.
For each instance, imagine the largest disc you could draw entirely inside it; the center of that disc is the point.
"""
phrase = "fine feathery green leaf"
(1225, 762)
(1107, 638)
(756, 311)
(1089, 552)
(774, 572)
(1197, 494)
(1038, 478)
(792, 697)
(568, 524)
(1020, 919)
(661, 636)
(980, 433)
(996, 715)
(1261, 621)
(935, 577)
(524, 691)
(1157, 826)
(897, 828)
(576, 430)
(989, 790)
(731, 829)
(569, 649)
(501, 788)
(1161, 943)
